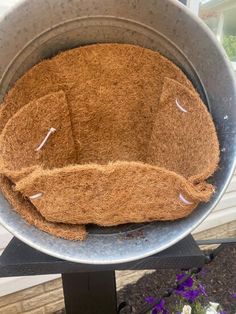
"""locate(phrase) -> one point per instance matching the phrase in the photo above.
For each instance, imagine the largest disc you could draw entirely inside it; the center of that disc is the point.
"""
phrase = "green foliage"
(199, 308)
(229, 43)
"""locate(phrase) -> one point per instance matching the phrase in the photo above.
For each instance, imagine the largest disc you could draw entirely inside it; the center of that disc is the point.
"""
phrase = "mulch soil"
(219, 280)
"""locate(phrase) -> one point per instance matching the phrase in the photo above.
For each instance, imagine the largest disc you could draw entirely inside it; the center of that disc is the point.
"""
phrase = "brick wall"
(48, 298)
(41, 299)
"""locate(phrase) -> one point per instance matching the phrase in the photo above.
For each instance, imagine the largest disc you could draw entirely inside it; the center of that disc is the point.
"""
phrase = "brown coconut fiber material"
(134, 142)
(24, 132)
(141, 193)
(27, 211)
(183, 137)
(39, 81)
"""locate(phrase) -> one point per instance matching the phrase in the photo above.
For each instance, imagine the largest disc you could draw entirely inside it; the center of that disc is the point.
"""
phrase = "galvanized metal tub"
(37, 29)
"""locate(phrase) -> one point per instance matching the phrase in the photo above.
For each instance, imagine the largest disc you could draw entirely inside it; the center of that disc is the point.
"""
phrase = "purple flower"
(179, 292)
(203, 272)
(159, 308)
(202, 289)
(188, 282)
(150, 300)
(180, 276)
(191, 295)
(160, 305)
(223, 312)
(154, 311)
(234, 295)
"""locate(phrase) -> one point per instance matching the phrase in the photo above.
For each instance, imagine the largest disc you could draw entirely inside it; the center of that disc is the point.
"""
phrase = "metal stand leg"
(90, 293)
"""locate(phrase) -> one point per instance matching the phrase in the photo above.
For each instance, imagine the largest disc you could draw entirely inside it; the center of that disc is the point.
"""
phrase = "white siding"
(224, 212)
(13, 284)
(5, 237)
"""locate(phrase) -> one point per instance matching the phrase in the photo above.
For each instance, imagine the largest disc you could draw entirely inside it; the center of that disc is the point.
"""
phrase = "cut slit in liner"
(51, 131)
(35, 196)
(179, 106)
(184, 200)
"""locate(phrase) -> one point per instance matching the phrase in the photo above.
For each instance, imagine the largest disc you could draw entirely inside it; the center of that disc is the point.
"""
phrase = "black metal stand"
(90, 292)
(90, 289)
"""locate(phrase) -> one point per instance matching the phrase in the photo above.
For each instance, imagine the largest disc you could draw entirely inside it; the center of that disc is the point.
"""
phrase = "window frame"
(194, 6)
